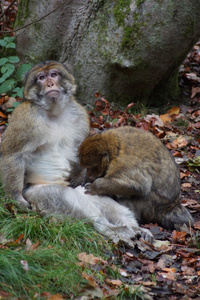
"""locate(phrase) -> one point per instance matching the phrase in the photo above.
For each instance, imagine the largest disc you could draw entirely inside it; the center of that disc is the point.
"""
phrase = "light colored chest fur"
(50, 163)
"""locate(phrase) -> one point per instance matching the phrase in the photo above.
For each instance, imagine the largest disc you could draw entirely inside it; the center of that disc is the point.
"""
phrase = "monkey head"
(94, 156)
(49, 84)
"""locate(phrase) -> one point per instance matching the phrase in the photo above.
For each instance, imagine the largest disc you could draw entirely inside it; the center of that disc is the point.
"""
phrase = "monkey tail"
(176, 216)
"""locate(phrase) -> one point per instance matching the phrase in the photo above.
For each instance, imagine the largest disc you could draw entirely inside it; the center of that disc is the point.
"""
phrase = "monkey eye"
(54, 74)
(41, 77)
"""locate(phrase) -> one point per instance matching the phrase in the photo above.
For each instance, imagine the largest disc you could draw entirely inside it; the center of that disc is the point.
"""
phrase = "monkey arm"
(13, 181)
(78, 176)
(124, 177)
(120, 186)
(16, 148)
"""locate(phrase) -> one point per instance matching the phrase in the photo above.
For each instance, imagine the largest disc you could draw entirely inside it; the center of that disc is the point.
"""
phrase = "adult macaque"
(39, 150)
(137, 168)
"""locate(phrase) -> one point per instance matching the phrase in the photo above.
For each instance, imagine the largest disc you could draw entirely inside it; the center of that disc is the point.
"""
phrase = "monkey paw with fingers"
(95, 188)
(145, 234)
(88, 189)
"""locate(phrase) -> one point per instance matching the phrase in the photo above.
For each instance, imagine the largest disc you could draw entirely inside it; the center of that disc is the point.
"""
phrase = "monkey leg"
(175, 216)
(107, 216)
(118, 215)
(168, 213)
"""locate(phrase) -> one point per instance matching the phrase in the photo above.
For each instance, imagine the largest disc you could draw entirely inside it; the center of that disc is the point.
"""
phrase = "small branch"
(36, 21)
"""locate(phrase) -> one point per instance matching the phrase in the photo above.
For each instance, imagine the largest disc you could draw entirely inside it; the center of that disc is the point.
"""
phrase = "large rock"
(126, 50)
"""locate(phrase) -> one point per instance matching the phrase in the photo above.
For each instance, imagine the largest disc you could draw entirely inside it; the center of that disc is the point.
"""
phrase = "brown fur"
(39, 155)
(137, 168)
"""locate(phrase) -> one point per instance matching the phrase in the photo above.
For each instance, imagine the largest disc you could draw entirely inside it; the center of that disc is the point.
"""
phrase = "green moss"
(37, 26)
(121, 10)
(22, 13)
(131, 32)
(139, 2)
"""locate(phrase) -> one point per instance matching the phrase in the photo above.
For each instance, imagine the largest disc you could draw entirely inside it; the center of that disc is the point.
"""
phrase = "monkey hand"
(22, 202)
(87, 187)
(145, 234)
(94, 188)
(90, 188)
(78, 176)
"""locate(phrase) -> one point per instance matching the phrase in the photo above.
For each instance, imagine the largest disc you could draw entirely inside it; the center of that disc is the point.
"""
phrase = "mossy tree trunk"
(128, 50)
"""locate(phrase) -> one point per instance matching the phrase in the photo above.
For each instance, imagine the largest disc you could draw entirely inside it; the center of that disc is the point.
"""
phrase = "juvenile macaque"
(39, 155)
(136, 167)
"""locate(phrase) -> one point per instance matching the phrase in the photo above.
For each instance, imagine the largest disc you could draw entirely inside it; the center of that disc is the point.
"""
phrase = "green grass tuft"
(52, 264)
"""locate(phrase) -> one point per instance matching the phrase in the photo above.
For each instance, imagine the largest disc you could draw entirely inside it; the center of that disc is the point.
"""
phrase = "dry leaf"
(169, 270)
(166, 118)
(195, 90)
(157, 243)
(188, 271)
(115, 282)
(186, 184)
(148, 283)
(180, 142)
(158, 121)
(178, 236)
(192, 76)
(174, 111)
(167, 276)
(197, 225)
(10, 102)
(21, 237)
(2, 115)
(197, 125)
(55, 297)
(90, 279)
(90, 259)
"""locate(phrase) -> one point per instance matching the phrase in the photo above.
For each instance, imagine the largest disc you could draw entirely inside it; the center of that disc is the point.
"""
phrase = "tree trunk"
(128, 50)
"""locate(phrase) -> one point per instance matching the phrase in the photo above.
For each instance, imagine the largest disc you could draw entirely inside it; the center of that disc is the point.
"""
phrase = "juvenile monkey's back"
(137, 142)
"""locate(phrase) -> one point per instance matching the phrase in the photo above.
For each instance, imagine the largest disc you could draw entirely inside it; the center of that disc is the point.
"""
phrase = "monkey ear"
(73, 90)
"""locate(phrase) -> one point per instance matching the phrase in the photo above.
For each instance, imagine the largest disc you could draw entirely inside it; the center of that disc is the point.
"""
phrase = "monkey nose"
(50, 84)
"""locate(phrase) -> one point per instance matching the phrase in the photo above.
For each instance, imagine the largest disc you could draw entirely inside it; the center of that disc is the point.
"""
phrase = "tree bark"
(127, 50)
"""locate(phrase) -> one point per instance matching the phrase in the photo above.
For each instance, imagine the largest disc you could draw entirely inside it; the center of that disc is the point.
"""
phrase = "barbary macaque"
(136, 167)
(39, 153)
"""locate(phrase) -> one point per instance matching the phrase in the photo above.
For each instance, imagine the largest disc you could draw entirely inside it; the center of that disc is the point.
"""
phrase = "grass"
(51, 261)
(39, 257)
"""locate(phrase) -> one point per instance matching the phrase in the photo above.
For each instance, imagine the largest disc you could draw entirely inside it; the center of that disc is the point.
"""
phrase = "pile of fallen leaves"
(168, 269)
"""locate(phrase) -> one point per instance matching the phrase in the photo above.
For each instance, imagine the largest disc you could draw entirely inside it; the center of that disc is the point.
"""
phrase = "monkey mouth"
(53, 92)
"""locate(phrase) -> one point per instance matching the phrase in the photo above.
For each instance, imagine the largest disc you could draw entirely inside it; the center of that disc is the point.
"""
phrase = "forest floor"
(169, 268)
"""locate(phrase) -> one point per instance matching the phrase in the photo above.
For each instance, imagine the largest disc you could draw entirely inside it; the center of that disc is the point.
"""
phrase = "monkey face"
(89, 162)
(95, 163)
(94, 172)
(49, 85)
(94, 156)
